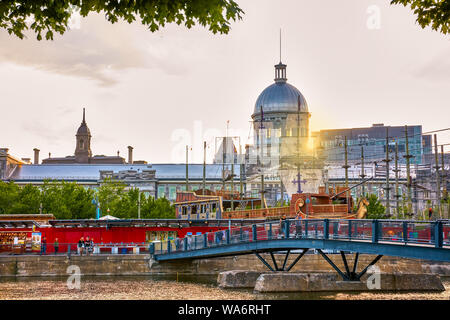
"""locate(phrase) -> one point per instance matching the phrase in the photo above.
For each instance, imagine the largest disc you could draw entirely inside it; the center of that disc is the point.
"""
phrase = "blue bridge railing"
(406, 232)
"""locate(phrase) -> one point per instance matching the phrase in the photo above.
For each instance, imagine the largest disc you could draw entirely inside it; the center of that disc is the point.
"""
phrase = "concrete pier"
(311, 282)
(238, 279)
(295, 282)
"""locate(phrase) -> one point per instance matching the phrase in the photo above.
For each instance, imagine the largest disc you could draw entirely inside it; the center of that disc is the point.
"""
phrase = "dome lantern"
(280, 72)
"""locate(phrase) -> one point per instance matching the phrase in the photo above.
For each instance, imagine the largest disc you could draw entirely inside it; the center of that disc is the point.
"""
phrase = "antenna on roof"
(280, 45)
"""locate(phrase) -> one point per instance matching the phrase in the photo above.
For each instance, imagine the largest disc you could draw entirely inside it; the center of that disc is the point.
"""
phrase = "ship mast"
(261, 127)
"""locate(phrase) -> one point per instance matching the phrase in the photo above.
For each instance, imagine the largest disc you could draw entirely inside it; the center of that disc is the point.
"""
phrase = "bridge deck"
(409, 239)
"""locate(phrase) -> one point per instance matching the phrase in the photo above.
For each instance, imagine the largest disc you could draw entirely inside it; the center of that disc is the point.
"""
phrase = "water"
(200, 281)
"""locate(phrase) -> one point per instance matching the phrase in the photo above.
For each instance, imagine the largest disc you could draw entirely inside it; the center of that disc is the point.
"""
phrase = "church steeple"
(83, 139)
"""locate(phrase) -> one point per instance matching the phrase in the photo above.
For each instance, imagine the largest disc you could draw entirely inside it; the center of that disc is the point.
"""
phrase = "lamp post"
(97, 207)
(139, 204)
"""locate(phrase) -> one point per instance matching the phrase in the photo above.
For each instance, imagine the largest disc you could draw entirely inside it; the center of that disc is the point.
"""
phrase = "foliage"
(430, 13)
(54, 16)
(68, 200)
(109, 196)
(160, 208)
(14, 200)
(121, 203)
(375, 210)
(62, 199)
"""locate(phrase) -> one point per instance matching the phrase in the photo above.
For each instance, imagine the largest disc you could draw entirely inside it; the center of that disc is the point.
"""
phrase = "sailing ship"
(205, 204)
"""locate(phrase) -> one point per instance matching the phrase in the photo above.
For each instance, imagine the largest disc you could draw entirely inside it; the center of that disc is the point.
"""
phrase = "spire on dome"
(280, 45)
(280, 68)
(84, 121)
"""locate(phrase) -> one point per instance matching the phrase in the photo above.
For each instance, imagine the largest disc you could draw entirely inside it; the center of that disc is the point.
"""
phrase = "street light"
(97, 207)
(139, 204)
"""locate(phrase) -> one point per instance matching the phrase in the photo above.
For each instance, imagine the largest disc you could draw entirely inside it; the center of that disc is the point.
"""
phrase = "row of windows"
(170, 192)
(290, 132)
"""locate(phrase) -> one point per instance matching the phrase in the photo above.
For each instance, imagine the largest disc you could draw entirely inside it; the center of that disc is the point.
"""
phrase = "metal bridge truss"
(400, 238)
(346, 275)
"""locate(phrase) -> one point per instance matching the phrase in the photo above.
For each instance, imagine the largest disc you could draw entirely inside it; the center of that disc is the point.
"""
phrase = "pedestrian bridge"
(400, 238)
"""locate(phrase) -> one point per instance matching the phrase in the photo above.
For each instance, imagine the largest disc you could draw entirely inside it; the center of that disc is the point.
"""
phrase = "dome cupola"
(280, 97)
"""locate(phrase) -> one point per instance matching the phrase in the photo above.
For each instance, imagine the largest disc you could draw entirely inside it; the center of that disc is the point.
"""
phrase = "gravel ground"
(116, 290)
(444, 295)
(172, 290)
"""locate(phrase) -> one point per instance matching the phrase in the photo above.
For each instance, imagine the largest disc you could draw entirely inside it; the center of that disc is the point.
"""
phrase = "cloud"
(41, 130)
(437, 69)
(91, 51)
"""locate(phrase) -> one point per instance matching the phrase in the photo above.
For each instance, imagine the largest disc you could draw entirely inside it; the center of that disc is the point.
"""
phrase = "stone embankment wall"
(18, 266)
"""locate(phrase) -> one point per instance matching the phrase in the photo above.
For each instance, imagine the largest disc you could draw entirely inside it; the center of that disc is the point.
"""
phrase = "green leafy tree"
(109, 195)
(28, 200)
(430, 13)
(126, 206)
(9, 194)
(163, 209)
(67, 200)
(375, 210)
(53, 16)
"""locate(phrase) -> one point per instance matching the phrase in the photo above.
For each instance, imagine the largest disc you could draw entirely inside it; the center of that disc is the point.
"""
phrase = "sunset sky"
(160, 91)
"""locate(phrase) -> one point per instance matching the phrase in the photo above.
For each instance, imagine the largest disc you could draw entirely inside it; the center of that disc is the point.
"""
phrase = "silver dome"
(280, 97)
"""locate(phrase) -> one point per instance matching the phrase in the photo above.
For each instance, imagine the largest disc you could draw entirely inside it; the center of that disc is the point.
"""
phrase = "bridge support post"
(438, 238)
(274, 261)
(405, 232)
(375, 231)
(306, 228)
(297, 259)
(205, 240)
(283, 268)
(227, 235)
(286, 228)
(345, 262)
(254, 233)
(355, 263)
(349, 229)
(326, 228)
(349, 276)
(264, 262)
(285, 260)
(270, 232)
(344, 276)
(185, 242)
(370, 264)
(335, 229)
(151, 249)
